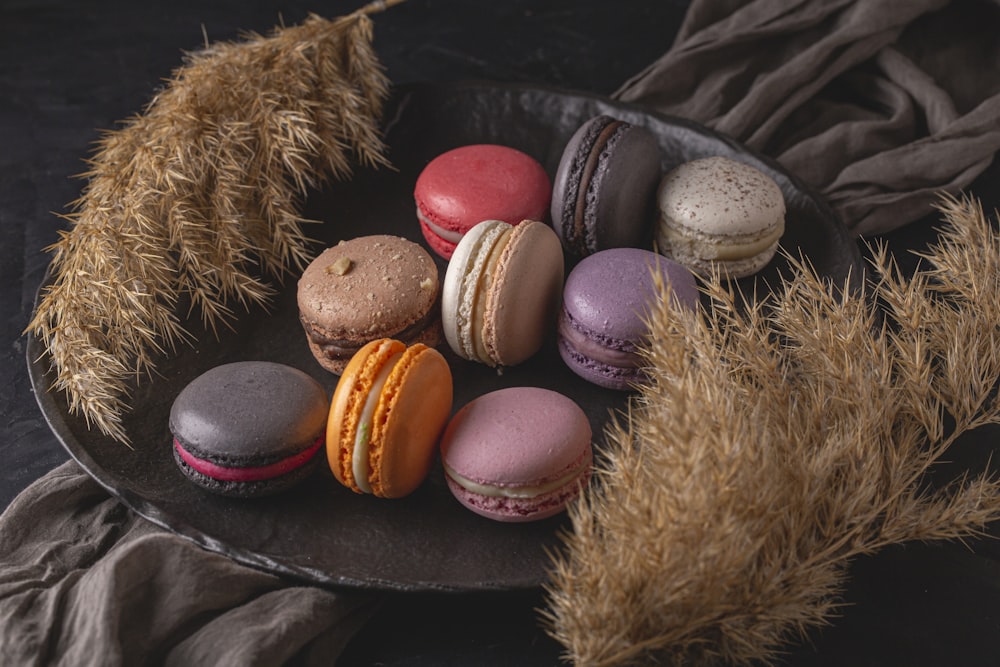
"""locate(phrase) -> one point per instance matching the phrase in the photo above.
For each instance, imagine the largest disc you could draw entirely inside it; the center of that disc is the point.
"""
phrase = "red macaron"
(464, 186)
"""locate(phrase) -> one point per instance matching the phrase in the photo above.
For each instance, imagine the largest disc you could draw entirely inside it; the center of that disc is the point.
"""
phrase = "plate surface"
(319, 531)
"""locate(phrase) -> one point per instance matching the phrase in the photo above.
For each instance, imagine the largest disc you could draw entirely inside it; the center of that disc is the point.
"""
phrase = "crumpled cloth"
(879, 105)
(84, 581)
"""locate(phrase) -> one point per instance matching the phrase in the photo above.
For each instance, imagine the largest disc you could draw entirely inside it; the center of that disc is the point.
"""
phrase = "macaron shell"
(469, 184)
(622, 193)
(719, 213)
(441, 246)
(431, 335)
(249, 412)
(606, 301)
(603, 375)
(413, 410)
(524, 297)
(721, 197)
(700, 252)
(367, 288)
(609, 294)
(567, 181)
(244, 418)
(463, 283)
(519, 510)
(348, 402)
(611, 168)
(516, 438)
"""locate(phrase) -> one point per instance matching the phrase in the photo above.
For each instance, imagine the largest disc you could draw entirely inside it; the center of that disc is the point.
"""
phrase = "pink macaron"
(466, 185)
(518, 454)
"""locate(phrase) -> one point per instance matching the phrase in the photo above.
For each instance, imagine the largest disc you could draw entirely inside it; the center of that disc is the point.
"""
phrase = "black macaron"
(605, 187)
(249, 428)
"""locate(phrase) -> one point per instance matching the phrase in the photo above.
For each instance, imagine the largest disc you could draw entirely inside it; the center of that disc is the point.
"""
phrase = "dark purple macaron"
(606, 300)
(604, 191)
(249, 428)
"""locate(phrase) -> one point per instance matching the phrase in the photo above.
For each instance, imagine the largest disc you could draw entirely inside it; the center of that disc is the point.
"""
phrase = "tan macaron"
(502, 291)
(364, 289)
(717, 213)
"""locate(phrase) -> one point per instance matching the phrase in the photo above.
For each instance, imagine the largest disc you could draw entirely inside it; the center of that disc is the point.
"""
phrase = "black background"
(71, 69)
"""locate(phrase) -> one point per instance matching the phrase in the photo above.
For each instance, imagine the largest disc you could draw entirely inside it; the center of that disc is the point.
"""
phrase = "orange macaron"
(387, 412)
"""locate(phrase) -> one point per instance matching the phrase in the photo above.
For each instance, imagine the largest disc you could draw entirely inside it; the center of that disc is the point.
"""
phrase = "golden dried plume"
(775, 443)
(191, 203)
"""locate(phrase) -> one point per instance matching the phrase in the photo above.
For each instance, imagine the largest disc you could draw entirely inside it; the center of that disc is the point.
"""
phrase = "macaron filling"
(720, 248)
(496, 490)
(360, 462)
(244, 473)
(339, 349)
(474, 289)
(446, 234)
(602, 349)
(580, 194)
(583, 238)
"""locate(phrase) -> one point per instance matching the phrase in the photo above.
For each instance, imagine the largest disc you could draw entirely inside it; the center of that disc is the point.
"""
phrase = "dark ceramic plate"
(319, 531)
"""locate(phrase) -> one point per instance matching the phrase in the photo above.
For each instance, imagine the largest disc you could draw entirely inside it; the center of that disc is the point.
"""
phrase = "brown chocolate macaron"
(368, 288)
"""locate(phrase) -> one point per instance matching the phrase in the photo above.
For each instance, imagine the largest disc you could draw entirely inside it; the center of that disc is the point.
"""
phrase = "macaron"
(364, 289)
(386, 416)
(606, 303)
(249, 428)
(517, 454)
(720, 214)
(605, 186)
(469, 184)
(501, 291)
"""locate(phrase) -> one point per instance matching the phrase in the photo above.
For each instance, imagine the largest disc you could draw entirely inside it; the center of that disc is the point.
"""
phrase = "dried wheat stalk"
(775, 444)
(191, 203)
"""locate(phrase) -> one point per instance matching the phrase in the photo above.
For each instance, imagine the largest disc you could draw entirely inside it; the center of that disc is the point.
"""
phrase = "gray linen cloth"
(877, 104)
(84, 581)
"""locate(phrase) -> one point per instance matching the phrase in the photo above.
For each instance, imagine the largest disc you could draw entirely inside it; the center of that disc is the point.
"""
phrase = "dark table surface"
(71, 69)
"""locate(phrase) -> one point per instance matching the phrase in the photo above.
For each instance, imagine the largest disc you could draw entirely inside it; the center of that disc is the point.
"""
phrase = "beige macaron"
(501, 291)
(720, 214)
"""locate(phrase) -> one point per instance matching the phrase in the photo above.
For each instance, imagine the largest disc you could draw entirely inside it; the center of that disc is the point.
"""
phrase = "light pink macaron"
(518, 454)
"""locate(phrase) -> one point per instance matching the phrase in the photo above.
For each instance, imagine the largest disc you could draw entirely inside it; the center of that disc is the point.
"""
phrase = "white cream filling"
(475, 285)
(511, 491)
(704, 247)
(362, 436)
(446, 234)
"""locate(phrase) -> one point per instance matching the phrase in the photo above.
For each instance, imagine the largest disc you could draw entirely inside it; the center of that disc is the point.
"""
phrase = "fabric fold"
(84, 581)
(879, 106)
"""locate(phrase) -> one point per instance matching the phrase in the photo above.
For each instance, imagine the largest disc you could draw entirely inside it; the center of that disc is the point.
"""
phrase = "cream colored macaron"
(717, 213)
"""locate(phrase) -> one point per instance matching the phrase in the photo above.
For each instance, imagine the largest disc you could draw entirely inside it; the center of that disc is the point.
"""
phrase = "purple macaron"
(606, 300)
(517, 454)
(604, 190)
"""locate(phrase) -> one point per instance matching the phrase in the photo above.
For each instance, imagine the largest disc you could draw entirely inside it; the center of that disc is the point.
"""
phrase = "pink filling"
(247, 474)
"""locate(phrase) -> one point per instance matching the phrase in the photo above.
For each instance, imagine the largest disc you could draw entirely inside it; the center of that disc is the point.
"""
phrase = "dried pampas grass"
(191, 203)
(774, 444)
